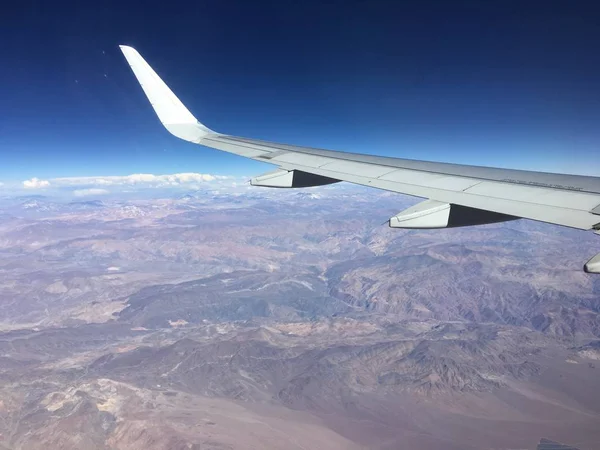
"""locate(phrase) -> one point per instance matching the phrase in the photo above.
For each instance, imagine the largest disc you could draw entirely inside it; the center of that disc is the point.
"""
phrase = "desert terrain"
(261, 319)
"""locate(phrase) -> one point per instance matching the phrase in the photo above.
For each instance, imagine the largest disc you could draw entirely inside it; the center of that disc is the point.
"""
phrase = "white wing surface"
(459, 195)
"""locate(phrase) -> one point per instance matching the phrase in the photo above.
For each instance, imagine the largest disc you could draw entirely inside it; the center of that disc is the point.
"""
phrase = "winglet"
(172, 113)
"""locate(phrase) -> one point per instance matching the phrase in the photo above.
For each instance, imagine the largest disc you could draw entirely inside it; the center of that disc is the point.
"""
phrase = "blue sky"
(509, 84)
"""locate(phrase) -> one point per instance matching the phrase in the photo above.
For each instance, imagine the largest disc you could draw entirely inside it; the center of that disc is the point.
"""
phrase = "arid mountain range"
(290, 319)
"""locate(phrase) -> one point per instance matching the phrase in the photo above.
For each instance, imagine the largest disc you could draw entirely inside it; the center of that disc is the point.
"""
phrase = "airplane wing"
(457, 195)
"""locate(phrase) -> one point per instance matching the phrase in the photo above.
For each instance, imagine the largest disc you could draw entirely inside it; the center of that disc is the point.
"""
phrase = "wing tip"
(172, 113)
(129, 52)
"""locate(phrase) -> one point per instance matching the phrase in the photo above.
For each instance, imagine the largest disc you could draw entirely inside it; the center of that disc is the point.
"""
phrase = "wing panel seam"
(272, 148)
(336, 155)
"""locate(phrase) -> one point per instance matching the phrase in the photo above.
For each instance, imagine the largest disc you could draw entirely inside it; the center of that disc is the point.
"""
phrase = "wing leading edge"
(459, 194)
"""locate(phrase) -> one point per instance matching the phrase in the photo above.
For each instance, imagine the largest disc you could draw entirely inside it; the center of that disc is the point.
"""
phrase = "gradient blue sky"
(507, 83)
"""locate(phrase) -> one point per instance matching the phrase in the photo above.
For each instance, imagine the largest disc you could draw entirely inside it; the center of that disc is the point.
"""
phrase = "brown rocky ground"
(287, 321)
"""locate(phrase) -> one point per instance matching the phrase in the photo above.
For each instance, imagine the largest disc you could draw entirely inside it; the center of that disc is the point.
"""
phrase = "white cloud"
(190, 180)
(90, 191)
(35, 183)
(139, 179)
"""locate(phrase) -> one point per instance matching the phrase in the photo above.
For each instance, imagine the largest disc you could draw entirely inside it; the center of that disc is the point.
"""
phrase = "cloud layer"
(175, 179)
(36, 183)
(93, 184)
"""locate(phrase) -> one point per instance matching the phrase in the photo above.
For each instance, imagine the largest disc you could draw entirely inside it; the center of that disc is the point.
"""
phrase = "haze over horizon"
(508, 84)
